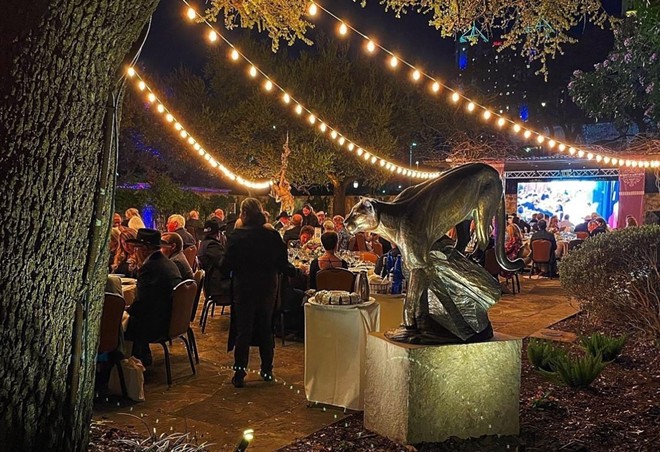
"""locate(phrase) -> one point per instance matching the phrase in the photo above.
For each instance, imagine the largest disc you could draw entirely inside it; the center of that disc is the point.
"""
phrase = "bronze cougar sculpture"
(420, 216)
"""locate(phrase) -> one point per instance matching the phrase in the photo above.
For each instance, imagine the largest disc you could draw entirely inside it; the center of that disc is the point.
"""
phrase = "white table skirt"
(335, 353)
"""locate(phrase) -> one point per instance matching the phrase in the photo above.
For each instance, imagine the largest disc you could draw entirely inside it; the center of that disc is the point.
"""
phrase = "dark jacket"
(182, 264)
(210, 255)
(598, 230)
(292, 234)
(188, 240)
(311, 219)
(151, 310)
(196, 228)
(254, 257)
(582, 227)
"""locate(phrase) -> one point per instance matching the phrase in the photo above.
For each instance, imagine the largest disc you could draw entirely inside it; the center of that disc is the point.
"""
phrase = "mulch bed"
(619, 412)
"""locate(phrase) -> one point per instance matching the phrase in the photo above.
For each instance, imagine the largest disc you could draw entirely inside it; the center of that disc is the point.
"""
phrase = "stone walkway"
(209, 407)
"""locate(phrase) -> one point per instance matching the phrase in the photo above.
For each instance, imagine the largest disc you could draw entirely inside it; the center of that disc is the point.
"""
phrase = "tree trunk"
(339, 195)
(60, 61)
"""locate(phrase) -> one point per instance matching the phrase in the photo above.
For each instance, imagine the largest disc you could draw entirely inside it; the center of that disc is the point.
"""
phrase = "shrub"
(543, 354)
(616, 277)
(606, 346)
(577, 372)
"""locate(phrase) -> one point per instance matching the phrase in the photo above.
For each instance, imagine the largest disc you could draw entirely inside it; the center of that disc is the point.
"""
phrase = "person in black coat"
(210, 255)
(195, 226)
(255, 257)
(176, 223)
(543, 234)
(293, 233)
(309, 216)
(150, 312)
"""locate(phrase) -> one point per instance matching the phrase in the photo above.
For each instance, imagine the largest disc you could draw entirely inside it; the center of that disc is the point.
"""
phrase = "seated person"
(176, 223)
(125, 259)
(543, 234)
(293, 233)
(210, 255)
(385, 263)
(600, 227)
(150, 313)
(328, 259)
(282, 221)
(306, 234)
(173, 250)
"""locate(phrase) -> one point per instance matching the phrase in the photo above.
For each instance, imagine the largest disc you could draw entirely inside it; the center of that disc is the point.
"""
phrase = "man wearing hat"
(283, 221)
(150, 312)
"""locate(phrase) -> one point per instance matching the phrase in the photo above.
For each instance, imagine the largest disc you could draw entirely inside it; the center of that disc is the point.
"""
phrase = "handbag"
(133, 371)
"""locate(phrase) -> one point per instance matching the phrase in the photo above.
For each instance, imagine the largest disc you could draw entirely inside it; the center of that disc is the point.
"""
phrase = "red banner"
(631, 196)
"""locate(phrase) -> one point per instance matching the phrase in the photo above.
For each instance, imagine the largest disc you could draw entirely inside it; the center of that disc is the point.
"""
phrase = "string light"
(213, 36)
(268, 85)
(455, 97)
(436, 86)
(312, 10)
(253, 71)
(299, 109)
(234, 55)
(191, 13)
(286, 98)
(343, 29)
(470, 107)
(184, 134)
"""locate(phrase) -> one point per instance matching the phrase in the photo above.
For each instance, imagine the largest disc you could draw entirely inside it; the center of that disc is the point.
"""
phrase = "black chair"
(199, 280)
(109, 341)
(211, 301)
(183, 299)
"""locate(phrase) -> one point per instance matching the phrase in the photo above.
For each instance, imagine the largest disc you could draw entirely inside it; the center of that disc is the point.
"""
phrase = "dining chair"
(109, 342)
(335, 279)
(542, 254)
(493, 267)
(368, 256)
(213, 300)
(199, 280)
(183, 299)
(191, 256)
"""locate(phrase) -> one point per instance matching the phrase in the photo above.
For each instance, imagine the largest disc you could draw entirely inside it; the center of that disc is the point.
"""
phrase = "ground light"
(248, 436)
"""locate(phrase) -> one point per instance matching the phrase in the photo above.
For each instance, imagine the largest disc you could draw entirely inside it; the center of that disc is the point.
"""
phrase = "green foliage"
(625, 88)
(578, 372)
(616, 277)
(607, 347)
(543, 354)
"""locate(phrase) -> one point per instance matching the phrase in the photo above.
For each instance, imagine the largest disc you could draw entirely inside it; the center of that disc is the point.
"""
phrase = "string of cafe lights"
(436, 86)
(187, 136)
(311, 118)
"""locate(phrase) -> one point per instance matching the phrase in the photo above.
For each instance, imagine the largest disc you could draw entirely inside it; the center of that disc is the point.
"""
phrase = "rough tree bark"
(59, 62)
(339, 187)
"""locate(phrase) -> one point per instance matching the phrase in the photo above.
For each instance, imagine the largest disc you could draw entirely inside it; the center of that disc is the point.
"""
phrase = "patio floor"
(211, 409)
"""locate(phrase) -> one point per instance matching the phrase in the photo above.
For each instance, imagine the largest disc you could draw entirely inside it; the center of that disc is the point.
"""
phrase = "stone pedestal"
(419, 394)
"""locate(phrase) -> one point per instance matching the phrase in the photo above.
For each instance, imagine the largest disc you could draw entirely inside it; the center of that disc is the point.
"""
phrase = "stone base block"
(420, 394)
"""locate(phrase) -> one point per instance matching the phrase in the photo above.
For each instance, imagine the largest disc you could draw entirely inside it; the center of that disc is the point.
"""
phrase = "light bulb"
(202, 151)
(151, 97)
(191, 140)
(196, 146)
(435, 87)
(571, 150)
(416, 75)
(286, 98)
(487, 114)
(606, 159)
(213, 36)
(580, 153)
(169, 117)
(551, 143)
(323, 127)
(333, 134)
(360, 151)
(343, 29)
(382, 163)
(398, 170)
(500, 122)
(311, 119)
(388, 165)
(341, 140)
(455, 97)
(351, 146)
(312, 10)
(299, 109)
(373, 159)
(562, 146)
(371, 47)
(131, 71)
(191, 13)
(516, 128)
(268, 85)
(253, 71)
(591, 156)
(178, 126)
(141, 85)
(234, 55)
(160, 108)
(470, 107)
(540, 139)
(394, 61)
(614, 161)
(184, 134)
(527, 134)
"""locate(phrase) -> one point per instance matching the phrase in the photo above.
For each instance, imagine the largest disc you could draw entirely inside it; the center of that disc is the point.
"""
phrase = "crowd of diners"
(247, 256)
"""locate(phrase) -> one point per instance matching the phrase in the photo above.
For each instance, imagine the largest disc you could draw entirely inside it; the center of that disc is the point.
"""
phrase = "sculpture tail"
(502, 259)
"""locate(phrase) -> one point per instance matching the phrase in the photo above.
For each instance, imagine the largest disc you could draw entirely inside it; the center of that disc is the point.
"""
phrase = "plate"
(371, 301)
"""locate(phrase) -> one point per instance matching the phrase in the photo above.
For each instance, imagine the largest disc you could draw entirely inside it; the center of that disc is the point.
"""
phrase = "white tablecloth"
(335, 353)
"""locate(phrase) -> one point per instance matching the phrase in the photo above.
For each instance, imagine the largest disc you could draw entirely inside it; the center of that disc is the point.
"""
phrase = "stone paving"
(209, 407)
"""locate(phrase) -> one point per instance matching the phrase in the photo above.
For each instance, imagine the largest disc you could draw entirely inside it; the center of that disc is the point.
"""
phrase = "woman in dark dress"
(255, 257)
